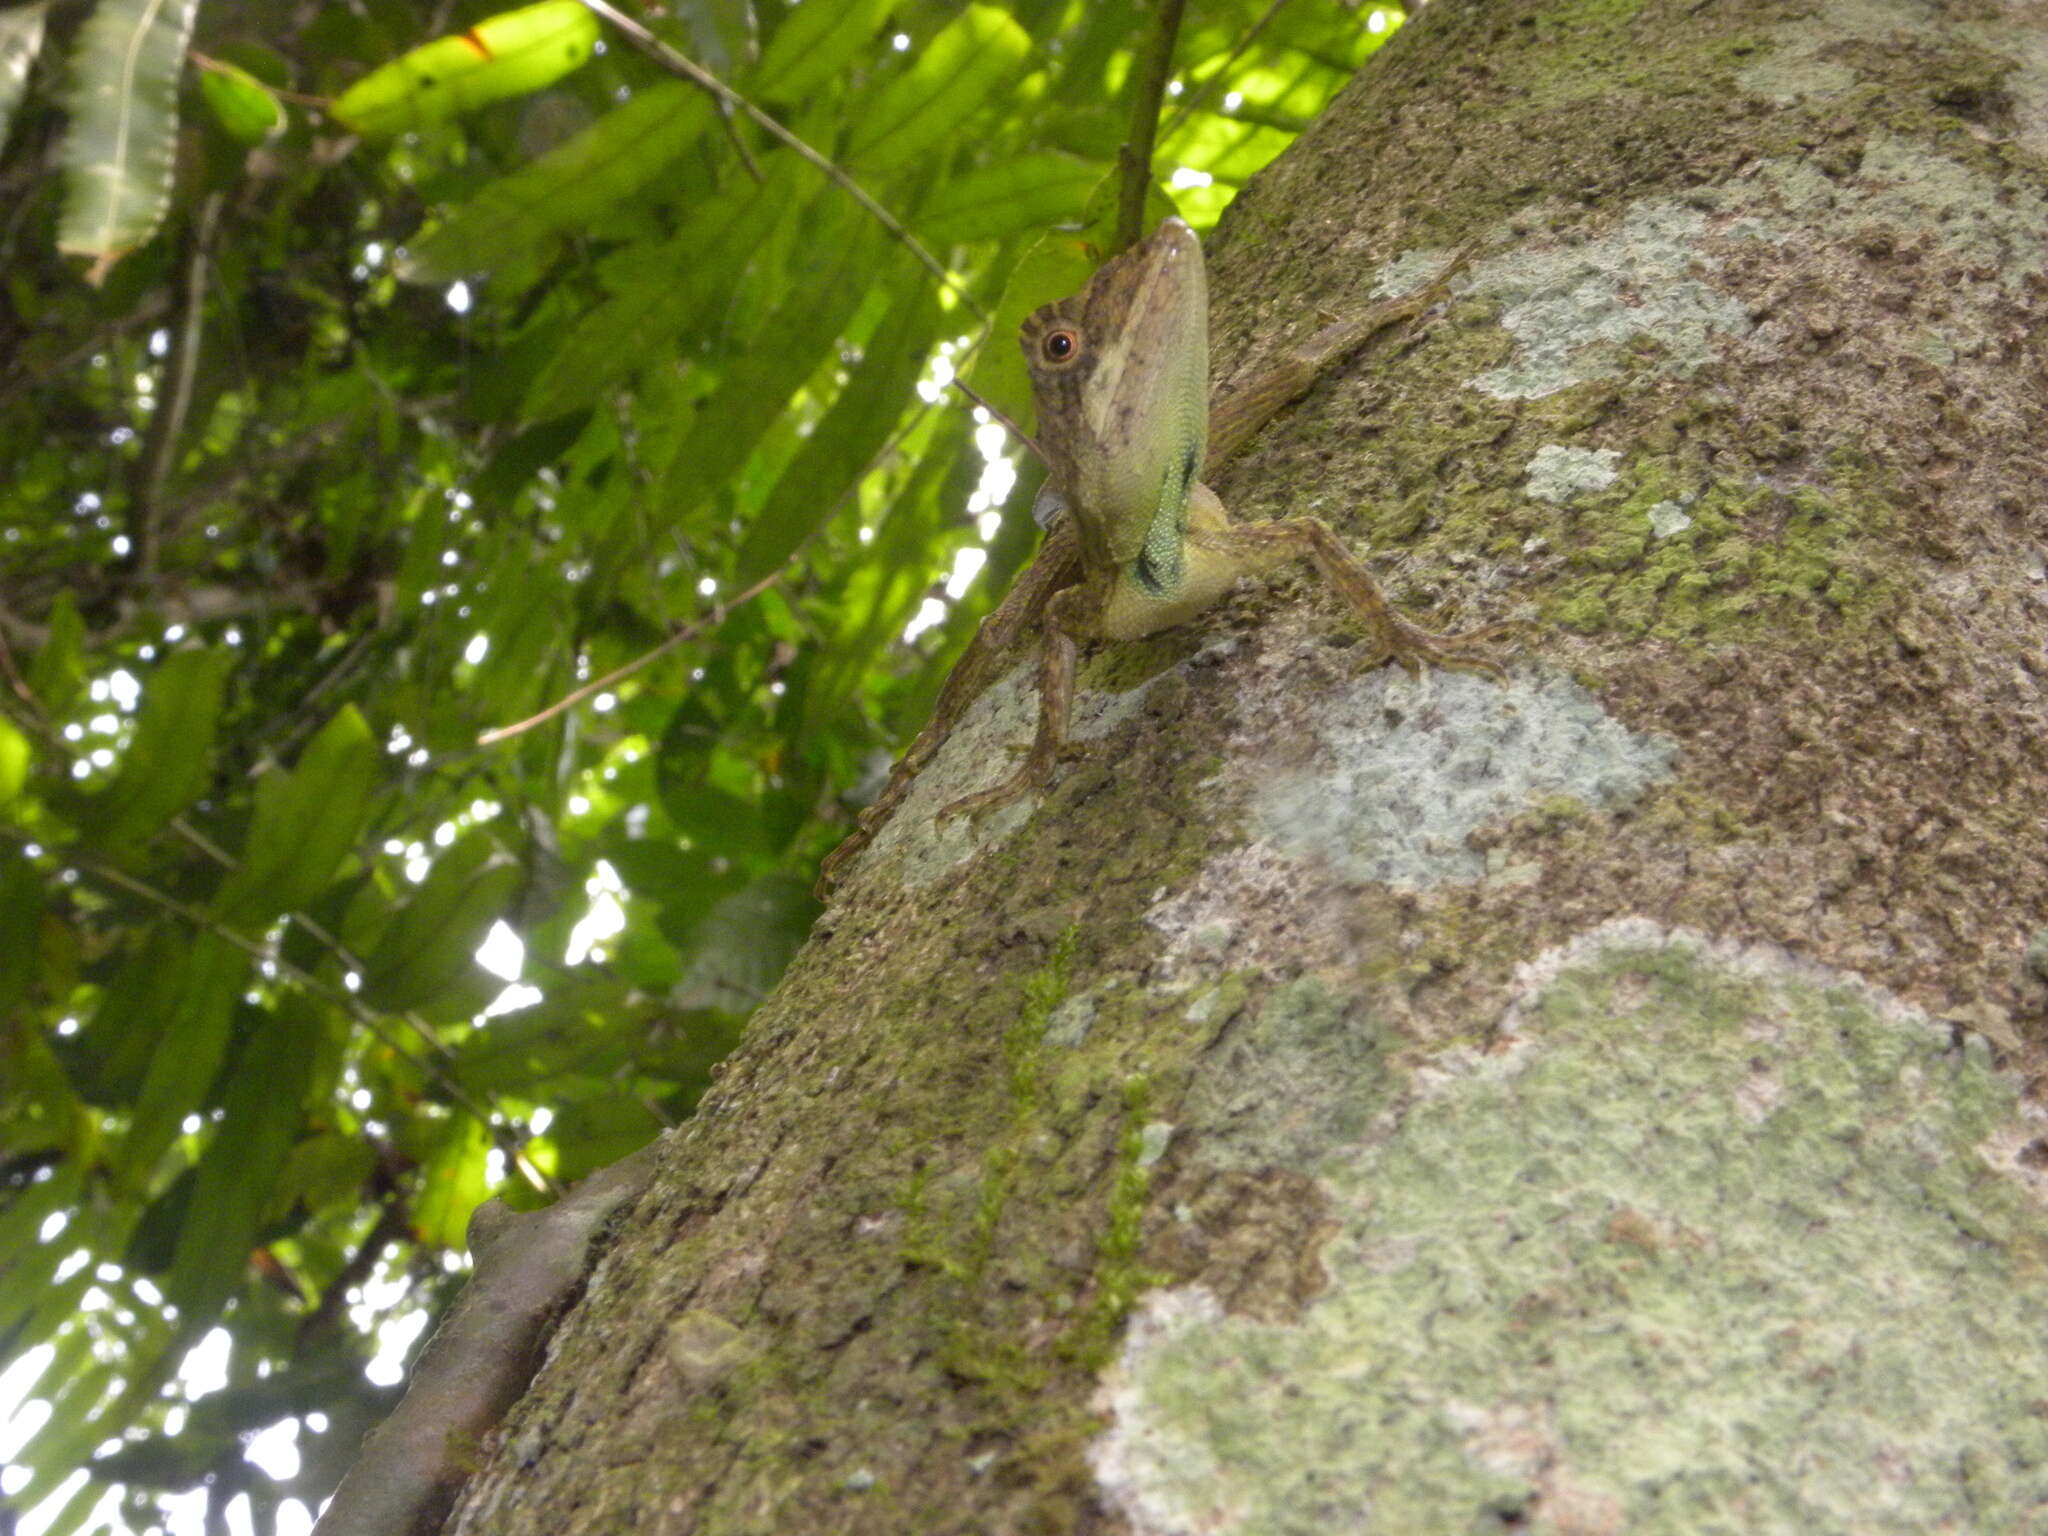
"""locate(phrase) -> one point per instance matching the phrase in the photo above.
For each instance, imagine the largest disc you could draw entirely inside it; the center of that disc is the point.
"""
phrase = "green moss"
(1757, 561)
(1118, 1279)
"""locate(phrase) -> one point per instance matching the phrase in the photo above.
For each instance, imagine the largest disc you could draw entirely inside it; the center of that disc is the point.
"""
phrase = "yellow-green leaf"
(568, 186)
(241, 103)
(968, 63)
(14, 760)
(170, 758)
(430, 944)
(510, 54)
(305, 821)
(21, 39)
(1016, 193)
(120, 145)
(814, 43)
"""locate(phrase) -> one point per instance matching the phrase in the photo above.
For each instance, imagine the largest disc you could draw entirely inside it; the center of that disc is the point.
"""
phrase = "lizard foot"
(1401, 640)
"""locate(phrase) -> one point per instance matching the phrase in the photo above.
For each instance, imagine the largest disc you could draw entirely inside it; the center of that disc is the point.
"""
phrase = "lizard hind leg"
(1260, 547)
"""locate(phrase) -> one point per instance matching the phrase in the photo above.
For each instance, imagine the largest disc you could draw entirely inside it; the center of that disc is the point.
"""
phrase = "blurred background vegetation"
(348, 417)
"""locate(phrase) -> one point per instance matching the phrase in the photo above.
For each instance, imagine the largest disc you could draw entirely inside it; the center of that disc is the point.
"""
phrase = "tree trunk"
(1584, 1103)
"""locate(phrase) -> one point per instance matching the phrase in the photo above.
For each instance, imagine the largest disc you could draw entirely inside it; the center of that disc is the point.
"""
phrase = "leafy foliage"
(369, 447)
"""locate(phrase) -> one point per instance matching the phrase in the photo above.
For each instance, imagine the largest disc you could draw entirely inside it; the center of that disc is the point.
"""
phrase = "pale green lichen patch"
(1405, 772)
(985, 746)
(1575, 308)
(1559, 473)
(1713, 1240)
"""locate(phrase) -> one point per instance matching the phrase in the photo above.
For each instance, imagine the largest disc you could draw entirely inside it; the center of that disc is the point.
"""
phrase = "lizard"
(1137, 541)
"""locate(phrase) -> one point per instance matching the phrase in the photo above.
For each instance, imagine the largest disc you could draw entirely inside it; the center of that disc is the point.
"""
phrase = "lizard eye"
(1060, 346)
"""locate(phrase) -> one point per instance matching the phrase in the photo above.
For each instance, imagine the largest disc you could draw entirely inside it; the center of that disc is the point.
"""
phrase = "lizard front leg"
(1255, 548)
(1069, 617)
(1057, 566)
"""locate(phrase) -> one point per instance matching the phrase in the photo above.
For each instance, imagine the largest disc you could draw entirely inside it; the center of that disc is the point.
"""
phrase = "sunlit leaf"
(241, 103)
(58, 671)
(611, 159)
(121, 142)
(21, 38)
(305, 821)
(260, 1119)
(453, 1182)
(15, 755)
(170, 759)
(702, 261)
(814, 43)
(510, 54)
(868, 408)
(1023, 192)
(757, 387)
(973, 59)
(431, 943)
(190, 1010)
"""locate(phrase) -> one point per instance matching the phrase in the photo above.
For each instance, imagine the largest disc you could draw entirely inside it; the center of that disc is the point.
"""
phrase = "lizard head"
(1120, 377)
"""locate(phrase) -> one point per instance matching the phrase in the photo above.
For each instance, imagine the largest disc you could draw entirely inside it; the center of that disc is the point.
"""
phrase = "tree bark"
(1593, 1102)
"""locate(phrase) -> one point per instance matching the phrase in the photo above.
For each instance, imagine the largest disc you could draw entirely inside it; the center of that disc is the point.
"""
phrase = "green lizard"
(1138, 543)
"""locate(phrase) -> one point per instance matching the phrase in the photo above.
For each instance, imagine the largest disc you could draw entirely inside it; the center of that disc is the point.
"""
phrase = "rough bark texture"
(1591, 1103)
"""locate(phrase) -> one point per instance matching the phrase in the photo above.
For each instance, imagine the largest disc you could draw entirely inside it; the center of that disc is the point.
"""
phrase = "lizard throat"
(1161, 563)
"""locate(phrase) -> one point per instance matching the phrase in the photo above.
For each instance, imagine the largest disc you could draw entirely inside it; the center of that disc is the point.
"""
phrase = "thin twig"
(168, 425)
(688, 69)
(682, 636)
(998, 414)
(1200, 93)
(1148, 90)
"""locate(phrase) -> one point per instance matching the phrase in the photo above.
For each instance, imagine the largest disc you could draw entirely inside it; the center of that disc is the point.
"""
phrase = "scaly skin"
(1119, 375)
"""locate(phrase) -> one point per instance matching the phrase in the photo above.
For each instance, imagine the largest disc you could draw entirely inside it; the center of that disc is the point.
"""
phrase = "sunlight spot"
(930, 612)
(159, 342)
(458, 297)
(707, 586)
(967, 564)
(394, 1341)
(503, 952)
(988, 525)
(275, 1450)
(205, 1366)
(515, 997)
(1187, 176)
(1232, 100)
(1376, 22)
(900, 42)
(605, 918)
(605, 703)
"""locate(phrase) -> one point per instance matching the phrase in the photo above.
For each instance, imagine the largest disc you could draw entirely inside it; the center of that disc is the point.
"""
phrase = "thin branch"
(646, 659)
(168, 425)
(688, 69)
(1200, 94)
(1148, 90)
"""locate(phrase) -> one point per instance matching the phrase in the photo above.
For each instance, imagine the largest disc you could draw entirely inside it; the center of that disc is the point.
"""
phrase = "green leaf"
(170, 758)
(814, 43)
(430, 944)
(700, 264)
(567, 187)
(1015, 194)
(869, 406)
(969, 63)
(511, 54)
(21, 39)
(121, 143)
(15, 756)
(305, 822)
(757, 387)
(59, 669)
(260, 1120)
(191, 1011)
(453, 1182)
(241, 103)
(21, 913)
